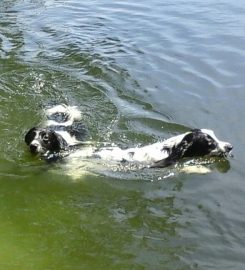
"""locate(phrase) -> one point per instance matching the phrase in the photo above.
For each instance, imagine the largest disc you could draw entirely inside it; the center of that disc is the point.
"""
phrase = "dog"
(62, 135)
(59, 135)
(194, 143)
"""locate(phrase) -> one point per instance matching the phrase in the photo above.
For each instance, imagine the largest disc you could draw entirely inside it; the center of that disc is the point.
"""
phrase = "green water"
(139, 72)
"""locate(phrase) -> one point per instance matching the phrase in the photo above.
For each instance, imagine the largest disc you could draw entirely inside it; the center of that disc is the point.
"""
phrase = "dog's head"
(196, 143)
(44, 141)
(203, 142)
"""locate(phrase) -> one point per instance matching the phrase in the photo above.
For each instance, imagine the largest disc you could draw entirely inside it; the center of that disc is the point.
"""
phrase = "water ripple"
(139, 72)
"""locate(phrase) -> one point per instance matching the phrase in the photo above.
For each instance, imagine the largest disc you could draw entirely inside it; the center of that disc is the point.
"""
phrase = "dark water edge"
(139, 72)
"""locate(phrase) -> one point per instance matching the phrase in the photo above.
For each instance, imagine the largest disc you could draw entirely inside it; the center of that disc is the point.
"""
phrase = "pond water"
(139, 72)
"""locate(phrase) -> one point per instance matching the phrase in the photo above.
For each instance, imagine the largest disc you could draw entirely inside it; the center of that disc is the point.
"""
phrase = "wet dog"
(195, 143)
(62, 135)
(59, 135)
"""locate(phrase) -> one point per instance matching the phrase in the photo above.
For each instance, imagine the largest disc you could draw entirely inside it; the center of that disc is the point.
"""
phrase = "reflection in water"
(77, 168)
(147, 225)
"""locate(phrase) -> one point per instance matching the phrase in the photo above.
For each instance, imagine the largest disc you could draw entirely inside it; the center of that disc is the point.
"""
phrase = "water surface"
(139, 72)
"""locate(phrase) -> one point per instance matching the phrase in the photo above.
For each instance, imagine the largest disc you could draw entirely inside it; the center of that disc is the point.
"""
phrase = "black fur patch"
(198, 144)
(30, 135)
(194, 144)
(54, 142)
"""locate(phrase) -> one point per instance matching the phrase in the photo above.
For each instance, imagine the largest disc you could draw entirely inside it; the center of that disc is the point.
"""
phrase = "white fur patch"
(72, 111)
(147, 154)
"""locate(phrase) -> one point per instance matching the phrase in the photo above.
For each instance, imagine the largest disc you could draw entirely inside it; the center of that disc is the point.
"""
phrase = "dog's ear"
(177, 152)
(57, 142)
(30, 135)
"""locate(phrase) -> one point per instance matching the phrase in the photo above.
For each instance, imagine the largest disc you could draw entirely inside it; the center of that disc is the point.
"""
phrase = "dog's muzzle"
(35, 148)
(228, 148)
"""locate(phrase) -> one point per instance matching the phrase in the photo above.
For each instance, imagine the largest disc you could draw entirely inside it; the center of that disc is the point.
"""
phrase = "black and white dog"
(59, 135)
(62, 135)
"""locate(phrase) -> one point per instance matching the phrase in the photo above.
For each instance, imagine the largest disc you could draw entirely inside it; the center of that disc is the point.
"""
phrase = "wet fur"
(63, 135)
(59, 135)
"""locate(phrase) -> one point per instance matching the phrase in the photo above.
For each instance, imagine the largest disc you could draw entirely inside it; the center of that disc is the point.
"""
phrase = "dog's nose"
(228, 147)
(33, 148)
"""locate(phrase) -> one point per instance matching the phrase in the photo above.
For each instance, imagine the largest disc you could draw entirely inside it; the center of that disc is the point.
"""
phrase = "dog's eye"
(45, 137)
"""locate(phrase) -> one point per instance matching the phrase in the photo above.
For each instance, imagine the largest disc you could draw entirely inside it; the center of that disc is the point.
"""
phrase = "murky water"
(139, 72)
